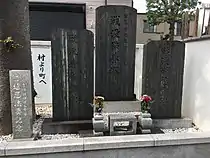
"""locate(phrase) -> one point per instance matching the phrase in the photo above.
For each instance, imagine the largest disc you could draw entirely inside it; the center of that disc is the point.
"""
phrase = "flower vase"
(99, 110)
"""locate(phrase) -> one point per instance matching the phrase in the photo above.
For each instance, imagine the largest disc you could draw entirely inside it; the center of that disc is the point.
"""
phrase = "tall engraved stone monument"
(115, 52)
(162, 77)
(72, 74)
(21, 103)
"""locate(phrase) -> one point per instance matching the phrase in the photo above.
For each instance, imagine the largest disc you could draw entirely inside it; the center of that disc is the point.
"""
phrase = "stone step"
(172, 123)
(89, 133)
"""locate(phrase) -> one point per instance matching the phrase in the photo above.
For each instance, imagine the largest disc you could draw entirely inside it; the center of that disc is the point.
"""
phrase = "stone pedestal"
(122, 118)
(98, 117)
(145, 122)
(98, 124)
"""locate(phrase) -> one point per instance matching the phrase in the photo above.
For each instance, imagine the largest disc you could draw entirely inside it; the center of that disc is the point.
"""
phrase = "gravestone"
(72, 74)
(162, 77)
(115, 52)
(21, 103)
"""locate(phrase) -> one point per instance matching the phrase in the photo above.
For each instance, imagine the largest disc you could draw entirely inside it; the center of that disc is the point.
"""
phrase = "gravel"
(59, 136)
(182, 130)
(45, 111)
(5, 138)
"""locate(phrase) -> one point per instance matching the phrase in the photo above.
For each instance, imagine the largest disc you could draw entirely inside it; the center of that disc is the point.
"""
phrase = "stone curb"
(15, 148)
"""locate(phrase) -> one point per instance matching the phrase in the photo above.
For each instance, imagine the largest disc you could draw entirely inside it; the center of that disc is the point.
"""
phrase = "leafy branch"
(9, 44)
(169, 11)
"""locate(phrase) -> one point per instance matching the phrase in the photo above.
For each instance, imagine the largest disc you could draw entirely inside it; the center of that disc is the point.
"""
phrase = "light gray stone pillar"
(21, 103)
(145, 122)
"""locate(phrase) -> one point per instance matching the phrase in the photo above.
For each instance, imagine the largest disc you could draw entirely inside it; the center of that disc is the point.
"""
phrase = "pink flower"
(146, 98)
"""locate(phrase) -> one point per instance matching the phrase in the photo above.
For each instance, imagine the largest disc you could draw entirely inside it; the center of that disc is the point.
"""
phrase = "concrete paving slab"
(110, 142)
(44, 146)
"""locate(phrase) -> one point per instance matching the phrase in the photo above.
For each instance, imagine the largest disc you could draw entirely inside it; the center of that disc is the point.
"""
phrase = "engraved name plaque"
(21, 103)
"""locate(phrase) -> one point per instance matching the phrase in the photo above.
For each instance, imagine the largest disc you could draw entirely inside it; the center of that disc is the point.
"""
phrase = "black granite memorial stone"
(72, 74)
(115, 52)
(162, 77)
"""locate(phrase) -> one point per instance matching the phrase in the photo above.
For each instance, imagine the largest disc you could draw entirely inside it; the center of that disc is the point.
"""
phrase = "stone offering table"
(120, 109)
(122, 118)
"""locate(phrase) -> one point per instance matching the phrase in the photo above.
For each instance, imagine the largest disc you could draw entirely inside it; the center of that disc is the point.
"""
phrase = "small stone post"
(21, 103)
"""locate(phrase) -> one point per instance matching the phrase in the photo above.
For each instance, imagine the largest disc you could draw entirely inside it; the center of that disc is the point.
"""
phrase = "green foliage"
(145, 107)
(146, 102)
(10, 44)
(170, 11)
(99, 103)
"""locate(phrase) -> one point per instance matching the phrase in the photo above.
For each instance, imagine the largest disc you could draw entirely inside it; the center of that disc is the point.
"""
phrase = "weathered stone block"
(131, 128)
(145, 115)
(172, 123)
(21, 103)
(98, 117)
(98, 125)
(145, 123)
(145, 131)
(90, 133)
(98, 133)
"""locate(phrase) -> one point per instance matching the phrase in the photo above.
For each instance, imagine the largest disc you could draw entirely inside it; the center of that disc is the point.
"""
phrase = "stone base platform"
(172, 123)
(65, 127)
(185, 145)
(90, 133)
(121, 106)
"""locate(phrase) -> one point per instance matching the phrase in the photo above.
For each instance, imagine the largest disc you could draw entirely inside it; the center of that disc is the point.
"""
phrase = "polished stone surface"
(122, 106)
